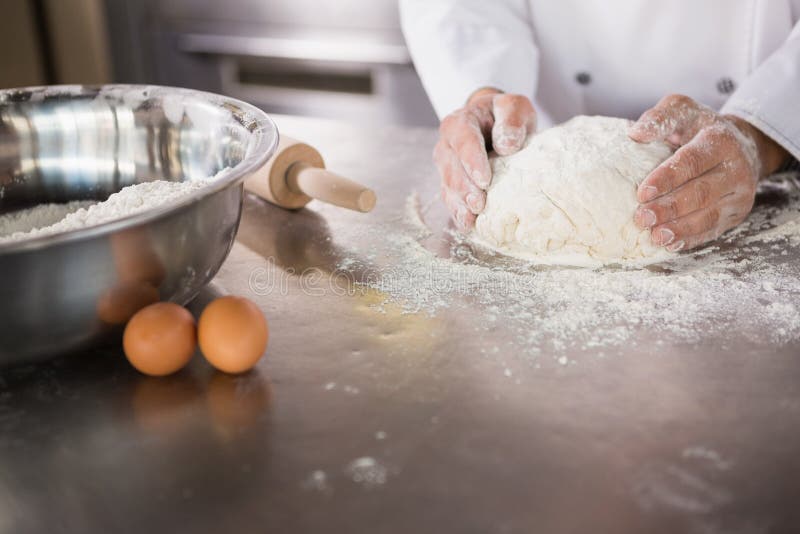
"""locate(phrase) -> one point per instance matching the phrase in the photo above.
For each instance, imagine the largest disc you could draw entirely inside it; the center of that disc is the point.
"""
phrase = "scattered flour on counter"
(317, 481)
(413, 215)
(707, 455)
(748, 283)
(49, 219)
(367, 472)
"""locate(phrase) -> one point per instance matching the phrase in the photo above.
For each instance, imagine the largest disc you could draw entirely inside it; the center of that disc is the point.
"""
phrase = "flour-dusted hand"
(490, 120)
(708, 186)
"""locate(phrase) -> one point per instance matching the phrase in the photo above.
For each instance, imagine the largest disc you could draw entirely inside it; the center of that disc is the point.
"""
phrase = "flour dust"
(746, 285)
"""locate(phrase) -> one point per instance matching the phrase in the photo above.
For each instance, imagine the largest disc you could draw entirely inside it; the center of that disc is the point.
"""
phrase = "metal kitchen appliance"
(345, 59)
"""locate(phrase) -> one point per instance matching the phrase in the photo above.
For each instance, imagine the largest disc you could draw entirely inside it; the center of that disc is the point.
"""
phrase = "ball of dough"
(569, 196)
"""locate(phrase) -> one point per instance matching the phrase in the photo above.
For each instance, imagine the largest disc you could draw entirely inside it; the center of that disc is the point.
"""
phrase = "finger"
(695, 194)
(463, 132)
(514, 120)
(673, 233)
(456, 180)
(464, 220)
(675, 119)
(704, 153)
(733, 214)
(708, 221)
(693, 241)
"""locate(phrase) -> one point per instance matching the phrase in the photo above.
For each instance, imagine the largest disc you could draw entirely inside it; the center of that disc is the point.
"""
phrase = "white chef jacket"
(614, 57)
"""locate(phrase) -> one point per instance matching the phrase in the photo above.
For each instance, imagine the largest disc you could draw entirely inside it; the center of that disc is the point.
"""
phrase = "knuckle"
(522, 102)
(690, 163)
(462, 117)
(458, 139)
(470, 114)
(515, 106)
(502, 99)
(447, 123)
(671, 208)
(680, 100)
(451, 199)
(667, 100)
(458, 180)
(719, 135)
(467, 185)
(654, 115)
(661, 177)
(481, 101)
(665, 176)
(656, 119)
(457, 183)
(474, 119)
(465, 142)
(702, 193)
(710, 218)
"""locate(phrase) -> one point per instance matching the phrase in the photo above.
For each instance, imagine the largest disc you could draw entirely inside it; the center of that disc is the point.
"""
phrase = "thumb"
(676, 119)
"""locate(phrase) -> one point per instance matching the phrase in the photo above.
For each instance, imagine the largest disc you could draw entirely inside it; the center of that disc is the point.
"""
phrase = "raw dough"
(569, 196)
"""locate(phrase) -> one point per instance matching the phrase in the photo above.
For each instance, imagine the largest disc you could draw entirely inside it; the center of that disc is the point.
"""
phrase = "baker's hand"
(709, 184)
(490, 120)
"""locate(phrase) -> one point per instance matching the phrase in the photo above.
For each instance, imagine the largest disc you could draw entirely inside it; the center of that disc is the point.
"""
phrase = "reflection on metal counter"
(369, 416)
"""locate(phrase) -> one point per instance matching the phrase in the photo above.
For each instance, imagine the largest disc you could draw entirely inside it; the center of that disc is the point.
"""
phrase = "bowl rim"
(262, 127)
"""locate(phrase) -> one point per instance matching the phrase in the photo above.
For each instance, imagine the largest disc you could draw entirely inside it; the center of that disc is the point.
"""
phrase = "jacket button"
(726, 86)
(583, 78)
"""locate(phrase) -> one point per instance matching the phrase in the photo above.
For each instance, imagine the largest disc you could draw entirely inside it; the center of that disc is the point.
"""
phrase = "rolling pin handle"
(324, 185)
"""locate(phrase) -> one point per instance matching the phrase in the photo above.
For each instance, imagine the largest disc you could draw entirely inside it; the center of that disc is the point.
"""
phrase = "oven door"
(344, 59)
(342, 76)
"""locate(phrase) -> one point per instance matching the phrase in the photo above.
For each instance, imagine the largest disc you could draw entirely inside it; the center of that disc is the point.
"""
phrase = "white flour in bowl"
(23, 221)
(49, 219)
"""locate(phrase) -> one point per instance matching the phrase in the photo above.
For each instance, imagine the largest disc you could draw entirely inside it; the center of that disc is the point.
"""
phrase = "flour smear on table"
(747, 283)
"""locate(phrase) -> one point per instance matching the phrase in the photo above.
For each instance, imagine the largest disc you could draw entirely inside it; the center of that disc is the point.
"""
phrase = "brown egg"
(233, 334)
(160, 339)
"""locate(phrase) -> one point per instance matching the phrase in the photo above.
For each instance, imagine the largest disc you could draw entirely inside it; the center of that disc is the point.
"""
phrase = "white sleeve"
(769, 98)
(459, 46)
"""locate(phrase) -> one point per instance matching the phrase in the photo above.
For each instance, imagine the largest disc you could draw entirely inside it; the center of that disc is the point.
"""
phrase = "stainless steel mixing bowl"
(62, 292)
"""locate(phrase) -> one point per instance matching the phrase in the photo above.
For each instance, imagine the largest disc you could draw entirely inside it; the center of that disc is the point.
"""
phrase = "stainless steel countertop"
(367, 420)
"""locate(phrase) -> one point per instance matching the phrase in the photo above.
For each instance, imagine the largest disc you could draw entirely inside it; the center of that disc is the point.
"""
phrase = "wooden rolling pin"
(296, 174)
